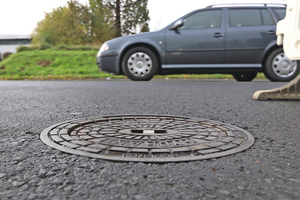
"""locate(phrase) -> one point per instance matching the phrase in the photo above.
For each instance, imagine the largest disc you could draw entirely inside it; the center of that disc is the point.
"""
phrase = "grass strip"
(54, 64)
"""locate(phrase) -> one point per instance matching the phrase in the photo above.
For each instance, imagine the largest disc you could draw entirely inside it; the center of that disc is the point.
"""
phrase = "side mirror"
(179, 23)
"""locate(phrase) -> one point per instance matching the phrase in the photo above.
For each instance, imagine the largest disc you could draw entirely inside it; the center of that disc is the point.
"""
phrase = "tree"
(128, 16)
(62, 26)
(145, 28)
(100, 29)
(101, 20)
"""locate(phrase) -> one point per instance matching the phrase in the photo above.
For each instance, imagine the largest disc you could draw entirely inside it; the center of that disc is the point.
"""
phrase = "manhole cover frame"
(249, 141)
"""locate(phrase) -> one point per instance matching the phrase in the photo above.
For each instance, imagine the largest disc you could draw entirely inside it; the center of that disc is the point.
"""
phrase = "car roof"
(247, 5)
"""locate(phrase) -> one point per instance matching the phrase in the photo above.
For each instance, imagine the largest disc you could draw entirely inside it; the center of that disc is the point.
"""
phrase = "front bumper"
(108, 61)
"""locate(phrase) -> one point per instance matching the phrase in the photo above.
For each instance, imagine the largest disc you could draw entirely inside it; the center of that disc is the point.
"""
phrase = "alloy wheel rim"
(139, 64)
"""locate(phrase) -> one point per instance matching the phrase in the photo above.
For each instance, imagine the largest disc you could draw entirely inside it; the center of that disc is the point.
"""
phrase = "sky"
(20, 17)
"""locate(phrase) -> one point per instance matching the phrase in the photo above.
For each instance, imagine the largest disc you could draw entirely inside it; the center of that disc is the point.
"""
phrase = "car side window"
(280, 12)
(203, 19)
(267, 18)
(245, 17)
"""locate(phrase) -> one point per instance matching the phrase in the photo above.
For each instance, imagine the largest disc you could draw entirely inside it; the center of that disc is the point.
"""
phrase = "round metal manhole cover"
(147, 138)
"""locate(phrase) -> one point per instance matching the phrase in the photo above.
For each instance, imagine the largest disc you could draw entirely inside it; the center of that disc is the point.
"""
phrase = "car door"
(248, 33)
(198, 42)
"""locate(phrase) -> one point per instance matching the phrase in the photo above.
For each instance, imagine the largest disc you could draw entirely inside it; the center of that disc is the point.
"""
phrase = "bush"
(27, 48)
(60, 47)
(24, 48)
(75, 48)
(6, 54)
(82, 48)
(45, 46)
(42, 46)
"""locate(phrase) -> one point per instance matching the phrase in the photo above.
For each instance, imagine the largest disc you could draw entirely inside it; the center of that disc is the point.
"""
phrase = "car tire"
(244, 76)
(279, 67)
(140, 64)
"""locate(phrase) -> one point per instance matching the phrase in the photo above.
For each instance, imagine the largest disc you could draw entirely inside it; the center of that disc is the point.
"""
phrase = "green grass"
(68, 64)
(63, 65)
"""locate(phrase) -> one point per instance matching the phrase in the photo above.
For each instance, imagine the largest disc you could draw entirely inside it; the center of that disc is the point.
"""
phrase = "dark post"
(118, 19)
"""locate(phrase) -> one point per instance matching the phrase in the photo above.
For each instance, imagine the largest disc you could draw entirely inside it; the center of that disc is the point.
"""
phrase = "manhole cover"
(147, 138)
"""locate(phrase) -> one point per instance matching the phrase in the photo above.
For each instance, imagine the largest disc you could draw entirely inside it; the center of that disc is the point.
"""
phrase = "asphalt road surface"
(29, 169)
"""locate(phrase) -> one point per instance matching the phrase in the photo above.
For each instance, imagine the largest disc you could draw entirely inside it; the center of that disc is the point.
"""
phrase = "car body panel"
(191, 46)
(245, 44)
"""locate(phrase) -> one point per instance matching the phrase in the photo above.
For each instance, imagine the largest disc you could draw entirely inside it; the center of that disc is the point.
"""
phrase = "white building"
(10, 43)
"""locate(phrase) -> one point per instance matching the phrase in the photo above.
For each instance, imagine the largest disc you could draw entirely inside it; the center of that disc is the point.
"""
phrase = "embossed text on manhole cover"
(147, 138)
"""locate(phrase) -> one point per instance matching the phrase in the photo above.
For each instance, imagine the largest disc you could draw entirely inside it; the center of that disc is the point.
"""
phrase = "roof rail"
(247, 4)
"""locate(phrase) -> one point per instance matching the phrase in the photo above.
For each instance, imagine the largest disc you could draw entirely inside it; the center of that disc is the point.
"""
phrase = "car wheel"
(140, 64)
(244, 76)
(280, 68)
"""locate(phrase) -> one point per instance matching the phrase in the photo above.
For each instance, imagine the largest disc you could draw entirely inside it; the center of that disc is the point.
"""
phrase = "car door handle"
(271, 32)
(217, 35)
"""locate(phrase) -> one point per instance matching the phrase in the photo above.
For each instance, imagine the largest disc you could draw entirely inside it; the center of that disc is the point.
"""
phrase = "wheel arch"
(267, 52)
(140, 44)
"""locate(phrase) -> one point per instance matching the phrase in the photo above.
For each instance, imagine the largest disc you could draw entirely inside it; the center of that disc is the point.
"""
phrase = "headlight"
(104, 47)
